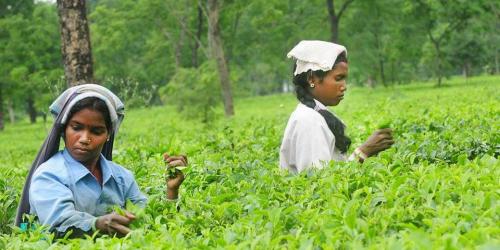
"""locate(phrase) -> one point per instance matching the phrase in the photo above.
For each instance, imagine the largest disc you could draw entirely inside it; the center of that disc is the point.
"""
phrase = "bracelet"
(176, 200)
(360, 154)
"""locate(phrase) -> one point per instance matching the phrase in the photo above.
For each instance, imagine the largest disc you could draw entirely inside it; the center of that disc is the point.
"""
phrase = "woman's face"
(330, 90)
(85, 135)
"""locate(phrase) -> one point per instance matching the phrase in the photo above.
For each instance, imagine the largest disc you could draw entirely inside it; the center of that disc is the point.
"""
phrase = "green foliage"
(194, 91)
(435, 188)
(138, 46)
(30, 55)
(131, 92)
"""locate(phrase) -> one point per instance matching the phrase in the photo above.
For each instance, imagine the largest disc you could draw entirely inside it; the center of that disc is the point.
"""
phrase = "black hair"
(342, 142)
(92, 103)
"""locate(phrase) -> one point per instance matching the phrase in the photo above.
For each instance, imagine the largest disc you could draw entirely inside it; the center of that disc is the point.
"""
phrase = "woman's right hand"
(379, 141)
(114, 223)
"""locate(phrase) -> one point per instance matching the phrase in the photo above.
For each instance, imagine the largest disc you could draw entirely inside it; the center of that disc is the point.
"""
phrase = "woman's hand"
(173, 183)
(379, 141)
(115, 224)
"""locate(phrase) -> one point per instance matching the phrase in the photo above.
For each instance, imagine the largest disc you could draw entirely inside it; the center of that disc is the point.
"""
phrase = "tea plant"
(436, 188)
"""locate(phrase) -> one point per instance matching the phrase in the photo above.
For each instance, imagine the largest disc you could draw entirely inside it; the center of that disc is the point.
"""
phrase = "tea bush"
(436, 188)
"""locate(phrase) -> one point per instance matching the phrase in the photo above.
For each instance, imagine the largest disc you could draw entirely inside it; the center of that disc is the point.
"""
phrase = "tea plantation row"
(437, 188)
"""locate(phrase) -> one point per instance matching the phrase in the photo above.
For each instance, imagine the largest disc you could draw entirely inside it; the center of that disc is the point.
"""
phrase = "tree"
(217, 53)
(139, 42)
(30, 59)
(491, 19)
(335, 17)
(185, 87)
(9, 8)
(75, 41)
(439, 20)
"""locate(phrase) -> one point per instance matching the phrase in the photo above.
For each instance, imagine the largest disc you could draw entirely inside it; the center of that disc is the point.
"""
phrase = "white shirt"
(308, 142)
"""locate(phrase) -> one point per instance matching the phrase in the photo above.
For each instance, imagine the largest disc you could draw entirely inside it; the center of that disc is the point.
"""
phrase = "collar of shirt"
(319, 105)
(81, 171)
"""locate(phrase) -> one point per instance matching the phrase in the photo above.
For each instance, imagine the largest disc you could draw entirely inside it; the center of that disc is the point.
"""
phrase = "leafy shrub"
(437, 187)
(194, 91)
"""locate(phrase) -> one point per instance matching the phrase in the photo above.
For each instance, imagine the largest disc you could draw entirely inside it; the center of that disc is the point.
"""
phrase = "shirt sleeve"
(53, 202)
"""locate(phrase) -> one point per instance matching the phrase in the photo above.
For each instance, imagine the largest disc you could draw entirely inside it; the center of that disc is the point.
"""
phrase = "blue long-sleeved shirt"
(64, 194)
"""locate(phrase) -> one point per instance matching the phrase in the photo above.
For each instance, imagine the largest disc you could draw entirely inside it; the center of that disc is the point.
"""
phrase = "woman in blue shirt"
(76, 188)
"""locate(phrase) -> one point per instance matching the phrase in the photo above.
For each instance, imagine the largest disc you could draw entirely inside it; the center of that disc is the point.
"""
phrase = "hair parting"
(92, 103)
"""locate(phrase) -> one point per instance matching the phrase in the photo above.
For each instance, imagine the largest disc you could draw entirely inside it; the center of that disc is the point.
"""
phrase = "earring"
(312, 85)
(107, 139)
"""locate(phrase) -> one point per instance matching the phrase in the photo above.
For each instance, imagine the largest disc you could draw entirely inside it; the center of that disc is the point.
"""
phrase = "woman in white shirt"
(314, 136)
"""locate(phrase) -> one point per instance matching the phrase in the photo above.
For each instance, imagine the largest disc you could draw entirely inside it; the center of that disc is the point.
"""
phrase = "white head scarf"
(114, 104)
(315, 55)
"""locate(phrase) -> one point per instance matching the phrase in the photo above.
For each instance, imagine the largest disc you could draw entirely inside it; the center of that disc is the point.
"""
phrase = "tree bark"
(217, 53)
(75, 42)
(31, 109)
(335, 17)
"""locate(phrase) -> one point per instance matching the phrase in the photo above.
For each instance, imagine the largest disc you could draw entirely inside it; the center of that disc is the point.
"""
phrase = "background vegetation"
(140, 47)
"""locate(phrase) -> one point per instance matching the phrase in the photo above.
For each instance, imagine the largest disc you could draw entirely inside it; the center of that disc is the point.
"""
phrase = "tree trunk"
(439, 74)
(169, 37)
(31, 109)
(178, 49)
(10, 107)
(75, 42)
(217, 52)
(196, 45)
(335, 17)
(334, 21)
(497, 68)
(393, 76)
(439, 66)
(380, 58)
(1, 109)
(370, 82)
(466, 70)
(382, 73)
(436, 42)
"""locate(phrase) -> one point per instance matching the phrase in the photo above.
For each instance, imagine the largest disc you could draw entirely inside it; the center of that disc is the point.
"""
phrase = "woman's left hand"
(173, 183)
